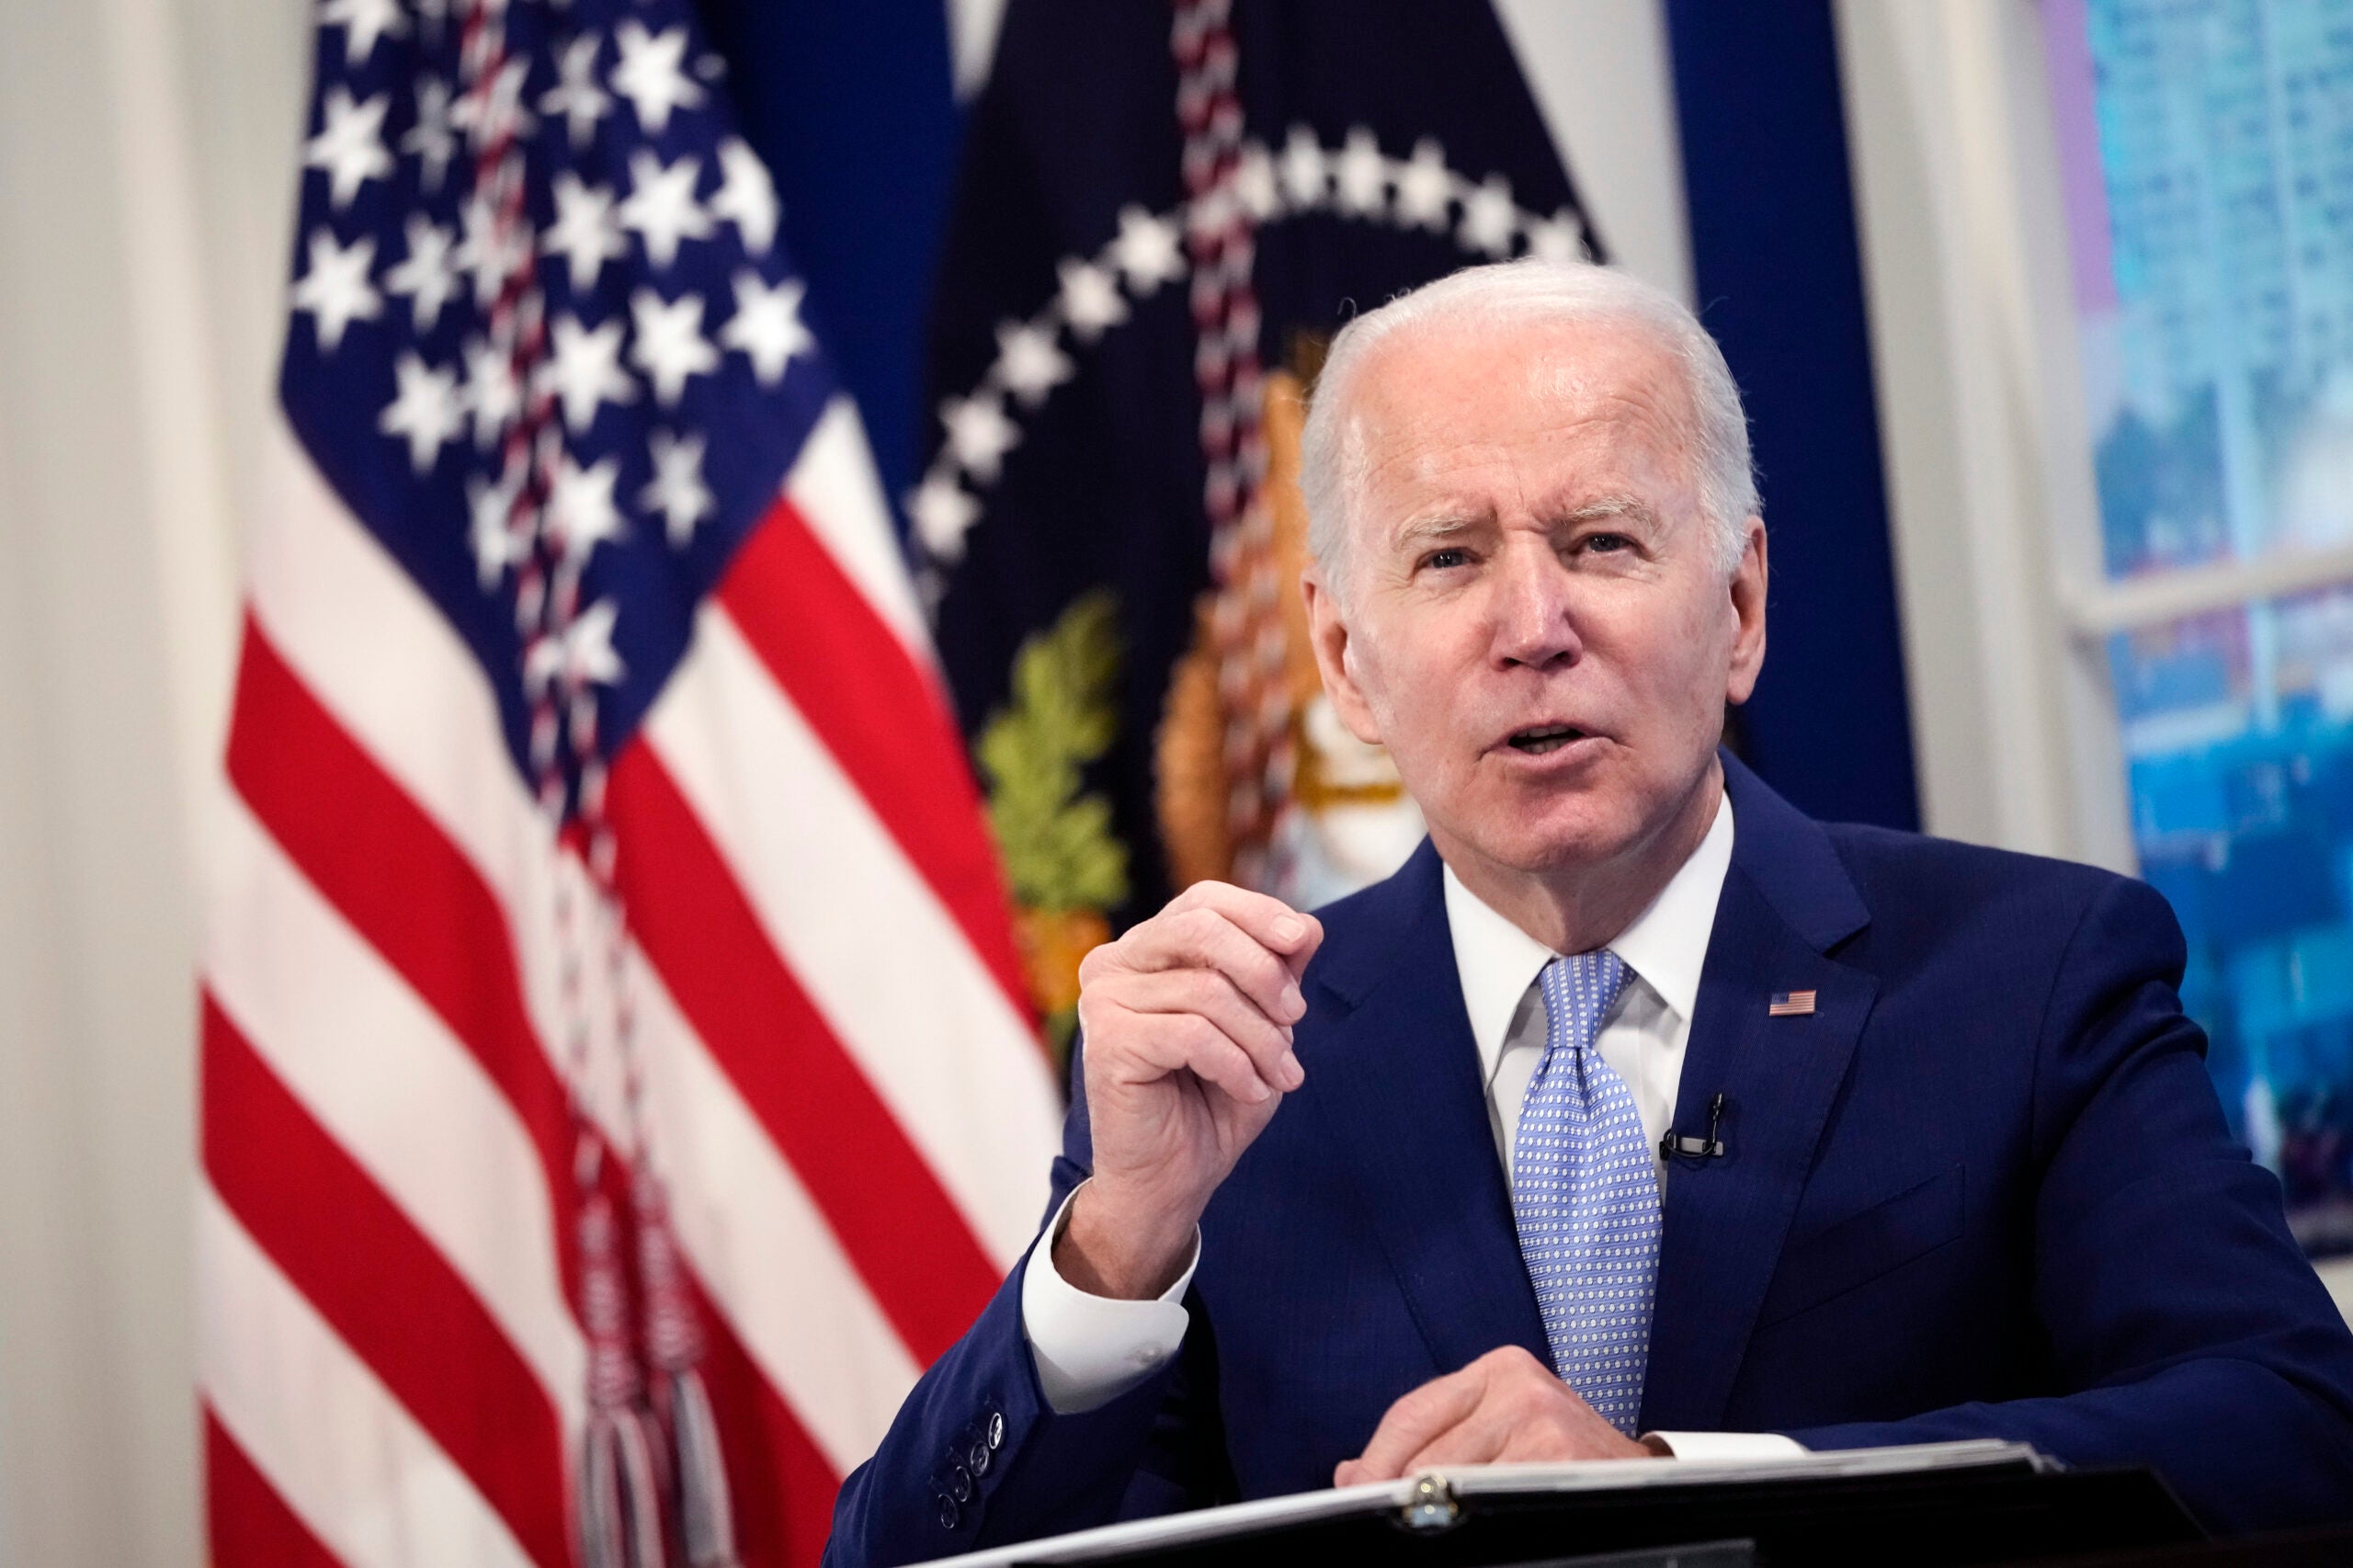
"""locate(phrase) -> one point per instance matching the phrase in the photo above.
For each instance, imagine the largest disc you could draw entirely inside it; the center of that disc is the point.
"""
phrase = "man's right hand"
(1187, 1027)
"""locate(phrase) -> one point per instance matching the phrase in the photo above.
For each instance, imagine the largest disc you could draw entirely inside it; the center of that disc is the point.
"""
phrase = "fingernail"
(1293, 1070)
(1291, 928)
(1294, 1002)
(1289, 1034)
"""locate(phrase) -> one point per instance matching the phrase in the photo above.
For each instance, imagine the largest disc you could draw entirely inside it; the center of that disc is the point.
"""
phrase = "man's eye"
(1607, 544)
(1444, 559)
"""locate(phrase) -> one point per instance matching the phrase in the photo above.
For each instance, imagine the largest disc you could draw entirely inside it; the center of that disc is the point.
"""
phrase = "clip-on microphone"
(1672, 1145)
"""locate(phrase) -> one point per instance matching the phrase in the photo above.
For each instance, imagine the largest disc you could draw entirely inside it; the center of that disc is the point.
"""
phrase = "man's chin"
(1559, 842)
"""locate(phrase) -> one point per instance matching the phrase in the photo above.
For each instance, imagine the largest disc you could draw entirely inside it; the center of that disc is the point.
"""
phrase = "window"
(2207, 153)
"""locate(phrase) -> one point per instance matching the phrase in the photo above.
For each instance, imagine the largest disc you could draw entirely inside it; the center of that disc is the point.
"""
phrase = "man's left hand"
(1504, 1407)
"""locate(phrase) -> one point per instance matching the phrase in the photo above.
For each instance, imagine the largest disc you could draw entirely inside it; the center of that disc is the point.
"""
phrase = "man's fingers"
(1290, 935)
(1174, 1042)
(1209, 994)
(1202, 937)
(1261, 944)
(1480, 1437)
(1507, 1405)
(1415, 1420)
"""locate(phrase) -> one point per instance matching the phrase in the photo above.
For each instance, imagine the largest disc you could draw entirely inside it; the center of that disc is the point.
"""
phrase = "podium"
(1938, 1505)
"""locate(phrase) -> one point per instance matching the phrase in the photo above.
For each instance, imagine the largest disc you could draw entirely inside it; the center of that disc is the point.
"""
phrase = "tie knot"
(1578, 990)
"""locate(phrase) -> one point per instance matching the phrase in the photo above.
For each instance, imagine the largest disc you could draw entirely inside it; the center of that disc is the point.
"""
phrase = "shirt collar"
(1665, 945)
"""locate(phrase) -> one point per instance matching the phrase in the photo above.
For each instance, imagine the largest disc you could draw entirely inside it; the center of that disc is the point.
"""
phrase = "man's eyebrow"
(1442, 524)
(1603, 506)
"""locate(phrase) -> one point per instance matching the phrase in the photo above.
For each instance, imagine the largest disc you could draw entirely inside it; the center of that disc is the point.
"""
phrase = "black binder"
(1938, 1505)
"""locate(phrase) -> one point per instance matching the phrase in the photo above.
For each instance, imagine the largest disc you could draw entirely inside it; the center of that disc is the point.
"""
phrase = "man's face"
(1537, 625)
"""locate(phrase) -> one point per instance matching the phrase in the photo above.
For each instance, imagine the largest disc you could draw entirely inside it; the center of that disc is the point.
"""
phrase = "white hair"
(1331, 456)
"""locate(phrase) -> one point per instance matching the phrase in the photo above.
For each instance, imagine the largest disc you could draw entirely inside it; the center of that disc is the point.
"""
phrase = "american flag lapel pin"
(1789, 1005)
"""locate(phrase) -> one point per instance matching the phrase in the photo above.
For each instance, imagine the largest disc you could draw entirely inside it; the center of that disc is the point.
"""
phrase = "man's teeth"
(1537, 741)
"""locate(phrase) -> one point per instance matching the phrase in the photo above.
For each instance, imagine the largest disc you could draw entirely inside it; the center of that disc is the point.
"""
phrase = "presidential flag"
(618, 1076)
(1164, 214)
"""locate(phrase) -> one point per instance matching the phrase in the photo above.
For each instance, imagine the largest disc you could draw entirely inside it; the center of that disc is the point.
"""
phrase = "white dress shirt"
(1642, 1036)
(1090, 1350)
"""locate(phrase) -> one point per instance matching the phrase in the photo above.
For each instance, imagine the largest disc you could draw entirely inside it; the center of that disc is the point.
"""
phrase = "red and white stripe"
(842, 1083)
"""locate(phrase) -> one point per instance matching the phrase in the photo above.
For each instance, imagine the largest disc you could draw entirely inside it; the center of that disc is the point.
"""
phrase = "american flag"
(610, 1018)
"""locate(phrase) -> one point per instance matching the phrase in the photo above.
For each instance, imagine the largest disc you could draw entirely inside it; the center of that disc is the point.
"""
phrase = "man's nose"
(1535, 611)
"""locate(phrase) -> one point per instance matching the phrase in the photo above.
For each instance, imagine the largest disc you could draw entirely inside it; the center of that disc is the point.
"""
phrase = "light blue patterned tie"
(1586, 1196)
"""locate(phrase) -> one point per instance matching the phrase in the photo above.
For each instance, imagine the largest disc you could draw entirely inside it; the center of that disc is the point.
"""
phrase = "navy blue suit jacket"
(1984, 1189)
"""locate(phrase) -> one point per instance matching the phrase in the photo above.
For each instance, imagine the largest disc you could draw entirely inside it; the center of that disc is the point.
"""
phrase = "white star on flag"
(363, 22)
(585, 232)
(494, 396)
(1424, 186)
(434, 137)
(336, 291)
(426, 277)
(649, 75)
(1489, 218)
(1362, 187)
(576, 96)
(1147, 250)
(427, 410)
(1029, 362)
(583, 369)
(661, 205)
(1255, 184)
(351, 145)
(979, 434)
(583, 655)
(497, 543)
(1559, 238)
(1090, 299)
(495, 112)
(670, 346)
(581, 511)
(942, 514)
(746, 195)
(677, 491)
(766, 324)
(1306, 177)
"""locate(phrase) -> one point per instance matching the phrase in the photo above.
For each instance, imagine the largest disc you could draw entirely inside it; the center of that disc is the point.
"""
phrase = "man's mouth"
(1545, 738)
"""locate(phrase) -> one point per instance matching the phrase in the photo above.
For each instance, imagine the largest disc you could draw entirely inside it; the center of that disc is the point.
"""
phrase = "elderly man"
(1638, 1114)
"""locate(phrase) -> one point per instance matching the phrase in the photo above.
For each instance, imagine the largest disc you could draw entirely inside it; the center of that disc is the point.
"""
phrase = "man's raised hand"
(1187, 1022)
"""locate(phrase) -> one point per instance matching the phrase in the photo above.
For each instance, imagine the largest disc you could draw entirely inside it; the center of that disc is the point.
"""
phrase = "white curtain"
(147, 160)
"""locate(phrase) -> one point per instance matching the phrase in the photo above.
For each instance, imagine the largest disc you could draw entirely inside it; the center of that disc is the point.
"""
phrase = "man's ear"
(1336, 658)
(1747, 592)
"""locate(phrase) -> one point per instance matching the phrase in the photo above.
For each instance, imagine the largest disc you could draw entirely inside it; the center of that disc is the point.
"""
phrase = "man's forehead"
(1460, 380)
(1440, 402)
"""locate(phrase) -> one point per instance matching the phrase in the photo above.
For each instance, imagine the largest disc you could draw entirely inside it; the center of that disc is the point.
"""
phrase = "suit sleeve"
(926, 1493)
(2178, 1310)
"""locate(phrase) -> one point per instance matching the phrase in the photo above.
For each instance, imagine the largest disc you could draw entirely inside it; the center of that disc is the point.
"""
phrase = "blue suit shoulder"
(1929, 897)
(1886, 859)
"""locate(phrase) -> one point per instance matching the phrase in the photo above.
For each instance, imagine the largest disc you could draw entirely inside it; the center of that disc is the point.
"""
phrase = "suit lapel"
(1786, 900)
(1405, 1108)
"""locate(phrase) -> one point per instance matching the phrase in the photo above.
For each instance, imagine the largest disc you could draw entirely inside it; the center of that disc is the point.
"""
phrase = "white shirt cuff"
(1091, 1349)
(1734, 1446)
